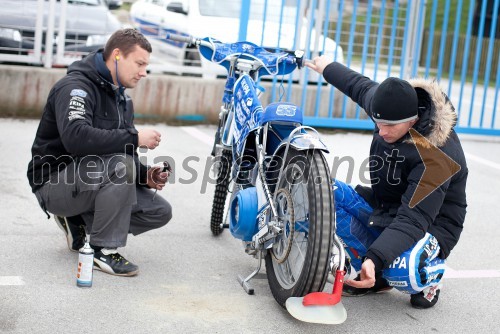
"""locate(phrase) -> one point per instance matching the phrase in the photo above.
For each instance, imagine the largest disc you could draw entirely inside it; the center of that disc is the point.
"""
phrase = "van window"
(86, 2)
(232, 8)
(82, 2)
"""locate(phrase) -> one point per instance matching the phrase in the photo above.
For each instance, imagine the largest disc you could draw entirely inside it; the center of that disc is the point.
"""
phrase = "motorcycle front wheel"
(221, 190)
(297, 264)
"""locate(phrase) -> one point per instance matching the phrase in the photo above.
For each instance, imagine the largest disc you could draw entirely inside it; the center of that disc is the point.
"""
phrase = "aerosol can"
(85, 266)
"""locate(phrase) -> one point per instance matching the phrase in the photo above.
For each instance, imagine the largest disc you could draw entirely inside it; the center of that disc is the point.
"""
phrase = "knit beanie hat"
(395, 101)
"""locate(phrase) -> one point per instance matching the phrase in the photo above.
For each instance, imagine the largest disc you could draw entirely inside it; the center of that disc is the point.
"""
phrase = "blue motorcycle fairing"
(272, 63)
(282, 112)
(243, 212)
(247, 111)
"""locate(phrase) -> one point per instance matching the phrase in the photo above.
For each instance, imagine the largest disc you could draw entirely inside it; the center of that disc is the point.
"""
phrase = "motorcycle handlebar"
(188, 39)
(297, 56)
(183, 39)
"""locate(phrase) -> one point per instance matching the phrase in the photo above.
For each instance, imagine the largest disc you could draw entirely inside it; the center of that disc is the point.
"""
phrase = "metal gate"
(456, 42)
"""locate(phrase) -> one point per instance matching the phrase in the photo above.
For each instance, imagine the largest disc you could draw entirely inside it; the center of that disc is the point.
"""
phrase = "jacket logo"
(78, 92)
(76, 108)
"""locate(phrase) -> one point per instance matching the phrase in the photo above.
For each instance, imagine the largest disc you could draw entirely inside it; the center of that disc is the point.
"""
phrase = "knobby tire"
(221, 190)
(314, 272)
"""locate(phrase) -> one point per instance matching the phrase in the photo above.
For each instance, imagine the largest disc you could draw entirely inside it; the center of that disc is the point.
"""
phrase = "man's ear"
(116, 54)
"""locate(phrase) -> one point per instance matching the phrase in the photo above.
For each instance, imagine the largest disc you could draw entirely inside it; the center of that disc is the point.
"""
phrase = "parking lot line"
(11, 280)
(194, 132)
(450, 273)
(482, 161)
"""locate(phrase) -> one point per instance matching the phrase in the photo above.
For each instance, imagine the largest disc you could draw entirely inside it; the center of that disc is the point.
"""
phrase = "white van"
(219, 19)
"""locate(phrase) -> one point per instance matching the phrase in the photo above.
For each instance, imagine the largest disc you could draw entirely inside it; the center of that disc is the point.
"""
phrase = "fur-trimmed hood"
(437, 116)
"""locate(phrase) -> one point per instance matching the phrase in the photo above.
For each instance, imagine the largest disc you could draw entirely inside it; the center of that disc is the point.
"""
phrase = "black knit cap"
(395, 101)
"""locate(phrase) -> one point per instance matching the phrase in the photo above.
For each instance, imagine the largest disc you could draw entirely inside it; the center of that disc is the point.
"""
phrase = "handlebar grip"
(306, 61)
(301, 62)
(180, 38)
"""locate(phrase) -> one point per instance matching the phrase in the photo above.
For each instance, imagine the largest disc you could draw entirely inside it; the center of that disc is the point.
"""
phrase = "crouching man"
(399, 231)
(84, 167)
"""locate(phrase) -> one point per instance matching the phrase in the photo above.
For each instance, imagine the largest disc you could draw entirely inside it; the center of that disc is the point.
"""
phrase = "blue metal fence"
(449, 41)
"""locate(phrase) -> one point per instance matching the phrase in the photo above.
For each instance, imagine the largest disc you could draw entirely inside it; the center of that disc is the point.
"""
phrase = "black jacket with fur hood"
(396, 170)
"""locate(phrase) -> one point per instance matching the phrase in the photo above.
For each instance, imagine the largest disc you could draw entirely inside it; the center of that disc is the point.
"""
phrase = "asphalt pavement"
(187, 281)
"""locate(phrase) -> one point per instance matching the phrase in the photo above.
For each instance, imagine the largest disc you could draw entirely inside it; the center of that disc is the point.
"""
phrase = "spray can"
(85, 266)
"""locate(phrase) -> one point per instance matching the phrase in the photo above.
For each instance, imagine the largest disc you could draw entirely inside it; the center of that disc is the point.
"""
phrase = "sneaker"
(427, 298)
(380, 286)
(111, 262)
(74, 229)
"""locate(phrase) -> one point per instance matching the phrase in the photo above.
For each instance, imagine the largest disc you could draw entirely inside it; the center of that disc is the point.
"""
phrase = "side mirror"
(176, 7)
(114, 4)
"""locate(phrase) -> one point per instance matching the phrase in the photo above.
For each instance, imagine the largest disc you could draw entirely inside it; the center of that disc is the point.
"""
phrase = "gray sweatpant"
(103, 190)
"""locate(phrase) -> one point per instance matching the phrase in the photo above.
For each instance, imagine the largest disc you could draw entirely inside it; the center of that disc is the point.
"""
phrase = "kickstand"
(244, 282)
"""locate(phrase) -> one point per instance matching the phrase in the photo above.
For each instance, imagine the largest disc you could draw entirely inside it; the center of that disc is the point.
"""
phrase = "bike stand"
(244, 281)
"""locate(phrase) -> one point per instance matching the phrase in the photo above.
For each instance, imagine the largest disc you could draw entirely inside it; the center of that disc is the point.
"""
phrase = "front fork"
(221, 129)
(340, 263)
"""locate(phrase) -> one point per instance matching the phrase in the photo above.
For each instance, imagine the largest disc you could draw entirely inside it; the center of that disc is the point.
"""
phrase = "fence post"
(414, 37)
(244, 17)
(38, 32)
(49, 37)
(61, 35)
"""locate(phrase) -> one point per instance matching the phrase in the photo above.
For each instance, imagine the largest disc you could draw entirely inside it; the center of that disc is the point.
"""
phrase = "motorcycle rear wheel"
(303, 268)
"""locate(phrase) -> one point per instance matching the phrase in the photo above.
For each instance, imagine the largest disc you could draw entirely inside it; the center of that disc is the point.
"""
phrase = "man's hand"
(156, 178)
(367, 276)
(319, 63)
(149, 138)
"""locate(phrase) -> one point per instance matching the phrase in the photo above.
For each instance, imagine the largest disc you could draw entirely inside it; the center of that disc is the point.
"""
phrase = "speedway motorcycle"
(273, 187)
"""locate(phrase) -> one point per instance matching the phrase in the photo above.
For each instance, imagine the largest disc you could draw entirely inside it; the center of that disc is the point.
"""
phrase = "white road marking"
(11, 280)
(198, 135)
(488, 163)
(450, 273)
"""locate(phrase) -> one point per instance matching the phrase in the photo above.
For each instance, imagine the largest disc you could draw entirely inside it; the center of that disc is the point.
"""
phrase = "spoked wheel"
(298, 262)
(221, 190)
(284, 206)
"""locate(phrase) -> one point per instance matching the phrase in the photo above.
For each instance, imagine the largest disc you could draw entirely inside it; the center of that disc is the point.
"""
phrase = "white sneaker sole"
(69, 237)
(104, 267)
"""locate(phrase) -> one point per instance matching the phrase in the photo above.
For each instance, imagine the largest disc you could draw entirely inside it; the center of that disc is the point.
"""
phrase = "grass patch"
(452, 14)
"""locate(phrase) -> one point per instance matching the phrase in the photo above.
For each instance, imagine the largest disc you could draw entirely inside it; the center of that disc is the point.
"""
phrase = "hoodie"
(85, 114)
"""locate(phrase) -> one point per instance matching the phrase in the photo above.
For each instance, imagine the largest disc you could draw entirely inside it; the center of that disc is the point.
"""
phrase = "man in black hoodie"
(399, 231)
(84, 167)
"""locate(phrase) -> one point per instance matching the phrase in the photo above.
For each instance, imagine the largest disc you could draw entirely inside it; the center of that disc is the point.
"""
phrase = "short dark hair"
(126, 40)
